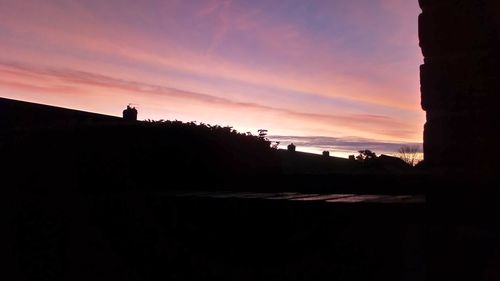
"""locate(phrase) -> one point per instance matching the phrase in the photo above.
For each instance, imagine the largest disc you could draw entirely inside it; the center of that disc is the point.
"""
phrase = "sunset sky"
(340, 75)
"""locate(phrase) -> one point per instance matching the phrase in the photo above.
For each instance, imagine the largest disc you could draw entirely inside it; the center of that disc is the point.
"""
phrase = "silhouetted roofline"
(2, 99)
(16, 114)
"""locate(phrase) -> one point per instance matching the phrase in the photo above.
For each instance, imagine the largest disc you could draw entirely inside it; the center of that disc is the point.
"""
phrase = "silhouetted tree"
(262, 134)
(410, 154)
(366, 155)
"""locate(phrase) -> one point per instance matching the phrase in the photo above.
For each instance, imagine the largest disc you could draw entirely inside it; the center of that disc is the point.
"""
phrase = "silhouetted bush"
(159, 154)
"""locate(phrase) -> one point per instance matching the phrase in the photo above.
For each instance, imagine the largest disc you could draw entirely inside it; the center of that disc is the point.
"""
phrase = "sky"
(338, 75)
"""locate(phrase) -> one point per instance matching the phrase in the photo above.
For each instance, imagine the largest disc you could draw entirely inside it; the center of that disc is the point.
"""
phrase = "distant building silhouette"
(326, 153)
(291, 147)
(130, 114)
(391, 161)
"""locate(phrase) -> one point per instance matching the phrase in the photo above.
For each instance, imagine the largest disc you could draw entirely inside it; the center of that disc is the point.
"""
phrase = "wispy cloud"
(220, 10)
(289, 57)
(56, 80)
(296, 67)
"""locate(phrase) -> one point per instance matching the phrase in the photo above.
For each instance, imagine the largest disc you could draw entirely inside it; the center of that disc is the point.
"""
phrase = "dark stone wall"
(460, 83)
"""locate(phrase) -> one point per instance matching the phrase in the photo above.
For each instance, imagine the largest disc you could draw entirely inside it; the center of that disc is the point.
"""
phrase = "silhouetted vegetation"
(366, 156)
(263, 134)
(155, 153)
(411, 154)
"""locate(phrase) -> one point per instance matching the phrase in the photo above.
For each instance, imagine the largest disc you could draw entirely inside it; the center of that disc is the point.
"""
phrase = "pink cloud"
(320, 79)
(56, 81)
(69, 40)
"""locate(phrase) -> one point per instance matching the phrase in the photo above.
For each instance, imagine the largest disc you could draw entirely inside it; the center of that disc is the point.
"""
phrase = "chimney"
(130, 114)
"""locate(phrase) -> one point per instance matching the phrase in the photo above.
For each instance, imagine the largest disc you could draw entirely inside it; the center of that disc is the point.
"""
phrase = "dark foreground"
(218, 236)
(249, 236)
